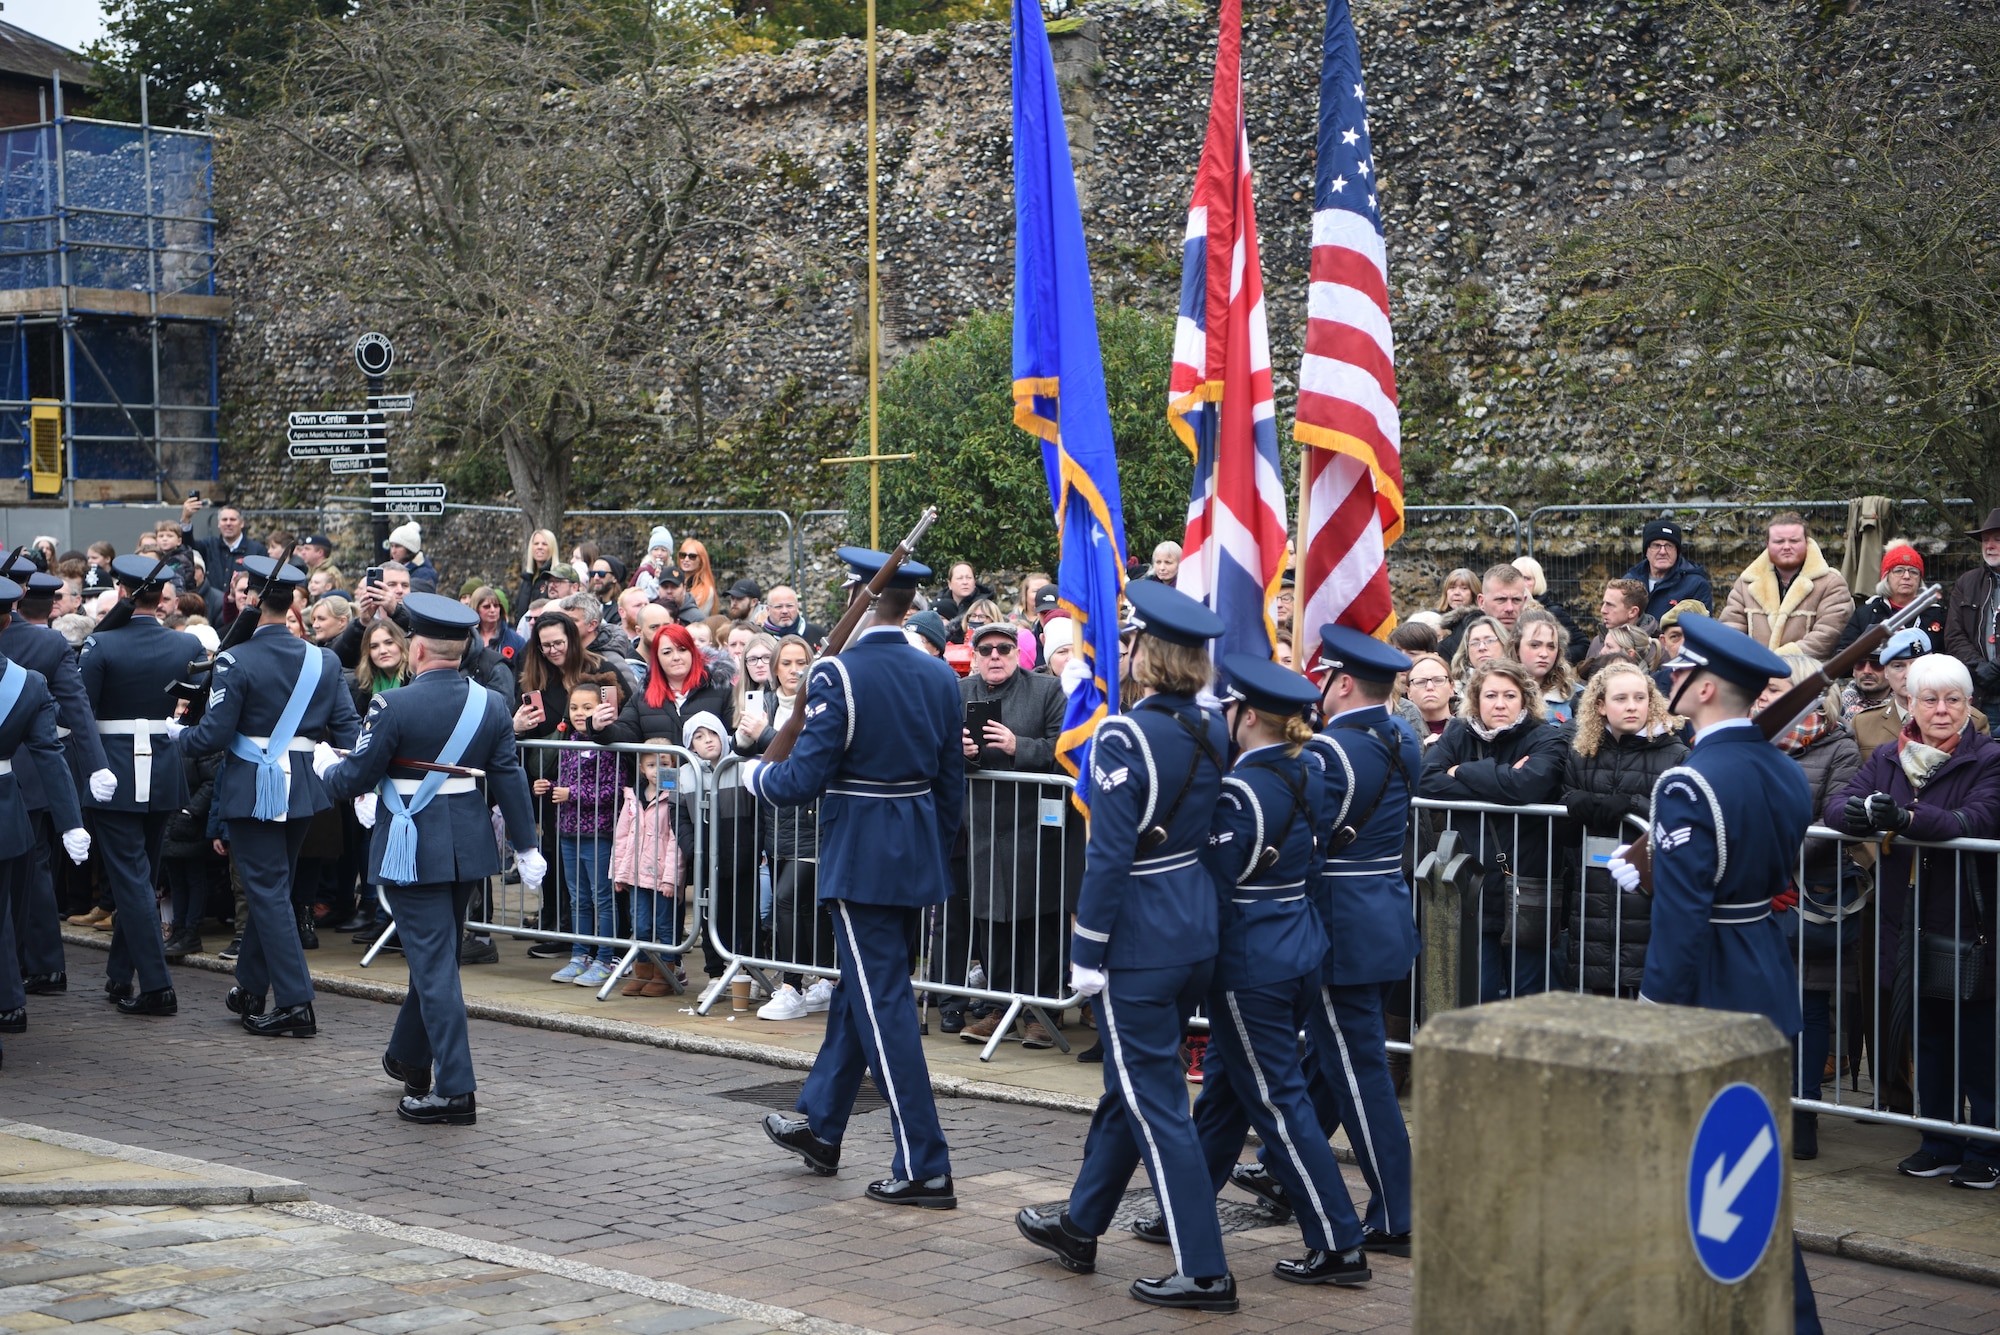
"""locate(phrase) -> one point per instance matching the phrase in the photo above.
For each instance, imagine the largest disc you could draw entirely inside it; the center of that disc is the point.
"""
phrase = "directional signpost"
(1734, 1182)
(355, 442)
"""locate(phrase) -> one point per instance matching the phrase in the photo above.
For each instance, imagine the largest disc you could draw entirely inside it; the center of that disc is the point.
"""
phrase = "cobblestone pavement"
(637, 1160)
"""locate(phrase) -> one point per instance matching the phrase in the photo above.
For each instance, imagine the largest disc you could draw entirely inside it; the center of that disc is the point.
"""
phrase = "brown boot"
(90, 919)
(643, 973)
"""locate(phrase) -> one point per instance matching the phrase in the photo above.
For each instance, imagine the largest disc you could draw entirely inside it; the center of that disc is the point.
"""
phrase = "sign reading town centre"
(327, 435)
(1735, 1181)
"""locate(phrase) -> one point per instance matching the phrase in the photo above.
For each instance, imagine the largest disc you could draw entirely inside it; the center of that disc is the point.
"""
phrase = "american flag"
(1353, 506)
(1219, 396)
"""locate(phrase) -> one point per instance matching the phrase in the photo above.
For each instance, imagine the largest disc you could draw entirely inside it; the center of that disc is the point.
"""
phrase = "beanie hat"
(659, 537)
(410, 535)
(1901, 553)
(1662, 529)
(929, 625)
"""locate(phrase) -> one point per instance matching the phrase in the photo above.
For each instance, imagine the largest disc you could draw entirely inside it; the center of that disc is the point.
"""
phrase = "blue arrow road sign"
(1735, 1179)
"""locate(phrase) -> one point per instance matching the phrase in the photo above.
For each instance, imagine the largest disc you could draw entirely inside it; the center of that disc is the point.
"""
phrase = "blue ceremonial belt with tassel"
(399, 851)
(272, 790)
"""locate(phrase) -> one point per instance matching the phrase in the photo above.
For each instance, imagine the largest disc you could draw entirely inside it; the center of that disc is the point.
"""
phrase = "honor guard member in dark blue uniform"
(1264, 853)
(28, 728)
(37, 921)
(270, 699)
(1727, 826)
(1144, 947)
(881, 752)
(129, 666)
(1369, 761)
(433, 842)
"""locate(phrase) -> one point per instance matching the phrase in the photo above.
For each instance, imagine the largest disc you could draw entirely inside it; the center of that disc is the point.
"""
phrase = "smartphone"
(194, 495)
(604, 695)
(534, 698)
(373, 575)
(978, 714)
(755, 700)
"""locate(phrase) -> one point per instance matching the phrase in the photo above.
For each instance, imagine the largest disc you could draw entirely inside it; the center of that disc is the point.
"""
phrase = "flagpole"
(874, 315)
(1299, 590)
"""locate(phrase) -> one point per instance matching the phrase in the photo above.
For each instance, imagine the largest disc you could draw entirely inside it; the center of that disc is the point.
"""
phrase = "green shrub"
(952, 406)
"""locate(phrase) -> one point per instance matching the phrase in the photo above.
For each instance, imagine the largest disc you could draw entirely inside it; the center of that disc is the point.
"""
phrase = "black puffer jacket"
(1521, 766)
(187, 830)
(1608, 930)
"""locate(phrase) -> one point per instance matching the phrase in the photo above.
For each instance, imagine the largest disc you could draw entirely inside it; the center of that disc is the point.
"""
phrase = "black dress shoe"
(796, 1135)
(366, 936)
(308, 934)
(284, 1022)
(16, 1021)
(416, 1079)
(117, 992)
(933, 1193)
(951, 1019)
(41, 984)
(1150, 1228)
(243, 1003)
(1346, 1268)
(182, 944)
(438, 1109)
(1256, 1179)
(357, 923)
(1389, 1244)
(1093, 1053)
(1178, 1290)
(160, 1001)
(1077, 1251)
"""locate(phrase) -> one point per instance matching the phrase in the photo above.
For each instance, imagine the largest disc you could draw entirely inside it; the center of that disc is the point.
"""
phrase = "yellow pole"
(874, 316)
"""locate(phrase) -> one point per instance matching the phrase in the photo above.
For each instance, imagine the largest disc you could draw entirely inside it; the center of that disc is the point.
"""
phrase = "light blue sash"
(271, 792)
(399, 852)
(11, 683)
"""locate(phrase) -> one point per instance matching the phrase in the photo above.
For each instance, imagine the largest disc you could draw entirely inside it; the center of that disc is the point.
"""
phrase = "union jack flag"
(1347, 414)
(1219, 396)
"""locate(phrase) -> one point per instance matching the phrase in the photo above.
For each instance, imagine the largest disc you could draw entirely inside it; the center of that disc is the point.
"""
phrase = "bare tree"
(1820, 311)
(496, 197)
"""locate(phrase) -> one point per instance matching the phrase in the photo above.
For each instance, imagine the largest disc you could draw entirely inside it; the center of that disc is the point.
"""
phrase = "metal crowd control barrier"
(603, 893)
(1008, 914)
(1507, 905)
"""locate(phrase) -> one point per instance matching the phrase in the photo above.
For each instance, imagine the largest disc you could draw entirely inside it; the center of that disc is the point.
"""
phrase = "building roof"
(23, 53)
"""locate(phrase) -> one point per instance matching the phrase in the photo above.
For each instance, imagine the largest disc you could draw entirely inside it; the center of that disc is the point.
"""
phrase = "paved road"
(637, 1160)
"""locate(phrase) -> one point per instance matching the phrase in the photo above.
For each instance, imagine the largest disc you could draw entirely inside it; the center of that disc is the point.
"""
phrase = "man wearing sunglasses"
(1016, 908)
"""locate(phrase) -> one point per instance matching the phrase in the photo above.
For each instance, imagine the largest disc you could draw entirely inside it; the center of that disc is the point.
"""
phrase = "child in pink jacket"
(646, 862)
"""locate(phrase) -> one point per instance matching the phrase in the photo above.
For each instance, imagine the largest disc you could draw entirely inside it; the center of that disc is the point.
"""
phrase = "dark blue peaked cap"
(1170, 614)
(436, 617)
(1265, 686)
(136, 571)
(865, 561)
(1710, 646)
(1359, 655)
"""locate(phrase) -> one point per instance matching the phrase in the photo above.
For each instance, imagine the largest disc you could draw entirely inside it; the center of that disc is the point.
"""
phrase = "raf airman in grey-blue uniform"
(433, 842)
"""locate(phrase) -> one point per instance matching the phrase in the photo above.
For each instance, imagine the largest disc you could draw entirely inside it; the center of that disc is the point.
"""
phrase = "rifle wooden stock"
(1776, 718)
(858, 606)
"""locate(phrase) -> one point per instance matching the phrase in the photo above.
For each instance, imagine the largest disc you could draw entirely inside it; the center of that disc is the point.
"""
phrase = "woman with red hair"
(678, 685)
(696, 574)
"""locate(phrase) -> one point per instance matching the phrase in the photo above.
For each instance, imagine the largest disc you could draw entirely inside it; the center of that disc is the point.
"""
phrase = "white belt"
(141, 731)
(1288, 899)
(456, 783)
(6, 767)
(304, 744)
(61, 731)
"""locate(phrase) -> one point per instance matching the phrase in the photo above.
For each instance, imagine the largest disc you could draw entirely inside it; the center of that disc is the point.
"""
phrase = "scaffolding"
(108, 311)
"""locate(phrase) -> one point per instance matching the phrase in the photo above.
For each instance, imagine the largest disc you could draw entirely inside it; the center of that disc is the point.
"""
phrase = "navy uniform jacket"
(1727, 826)
(454, 832)
(1363, 896)
(1267, 925)
(1154, 909)
(30, 730)
(127, 673)
(881, 750)
(39, 649)
(252, 683)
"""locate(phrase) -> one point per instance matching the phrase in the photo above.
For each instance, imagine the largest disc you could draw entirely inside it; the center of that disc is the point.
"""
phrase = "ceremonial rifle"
(858, 606)
(193, 693)
(1775, 719)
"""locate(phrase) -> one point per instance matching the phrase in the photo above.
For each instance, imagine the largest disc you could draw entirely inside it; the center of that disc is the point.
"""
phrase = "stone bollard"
(1584, 1164)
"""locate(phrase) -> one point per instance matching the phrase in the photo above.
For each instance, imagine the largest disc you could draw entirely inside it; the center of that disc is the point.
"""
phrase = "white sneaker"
(710, 993)
(785, 1004)
(759, 992)
(819, 996)
(976, 976)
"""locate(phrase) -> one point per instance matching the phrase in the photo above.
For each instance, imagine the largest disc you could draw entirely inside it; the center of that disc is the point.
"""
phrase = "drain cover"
(784, 1096)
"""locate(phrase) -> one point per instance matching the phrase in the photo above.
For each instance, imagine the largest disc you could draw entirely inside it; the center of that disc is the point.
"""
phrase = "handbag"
(1526, 924)
(1830, 915)
(1951, 967)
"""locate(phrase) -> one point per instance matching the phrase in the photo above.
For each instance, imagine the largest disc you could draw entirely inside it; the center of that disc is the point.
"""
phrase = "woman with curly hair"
(1624, 741)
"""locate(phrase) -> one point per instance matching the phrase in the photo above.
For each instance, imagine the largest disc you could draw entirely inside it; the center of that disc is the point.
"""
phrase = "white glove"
(364, 810)
(103, 785)
(324, 758)
(1086, 982)
(175, 728)
(76, 843)
(1622, 871)
(1074, 674)
(534, 868)
(750, 768)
